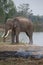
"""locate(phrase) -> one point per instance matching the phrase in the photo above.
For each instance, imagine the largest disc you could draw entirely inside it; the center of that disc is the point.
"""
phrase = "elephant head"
(8, 28)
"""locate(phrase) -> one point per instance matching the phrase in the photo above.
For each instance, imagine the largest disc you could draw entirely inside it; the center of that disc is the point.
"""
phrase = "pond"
(37, 38)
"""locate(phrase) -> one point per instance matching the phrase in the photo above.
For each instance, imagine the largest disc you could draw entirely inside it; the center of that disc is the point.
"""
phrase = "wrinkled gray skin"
(17, 25)
(22, 25)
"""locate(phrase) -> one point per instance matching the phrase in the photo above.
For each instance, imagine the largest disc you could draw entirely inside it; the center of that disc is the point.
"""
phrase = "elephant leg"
(30, 37)
(31, 41)
(17, 37)
(12, 37)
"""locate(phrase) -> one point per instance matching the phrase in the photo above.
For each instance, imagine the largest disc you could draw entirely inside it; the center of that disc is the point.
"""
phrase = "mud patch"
(18, 54)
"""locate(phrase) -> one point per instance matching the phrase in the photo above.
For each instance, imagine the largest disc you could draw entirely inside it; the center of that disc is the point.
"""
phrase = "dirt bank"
(4, 47)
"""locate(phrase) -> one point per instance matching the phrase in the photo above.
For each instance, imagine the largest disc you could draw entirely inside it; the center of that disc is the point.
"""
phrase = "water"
(37, 38)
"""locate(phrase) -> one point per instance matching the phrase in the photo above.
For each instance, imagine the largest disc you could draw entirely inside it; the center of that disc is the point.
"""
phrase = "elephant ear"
(15, 23)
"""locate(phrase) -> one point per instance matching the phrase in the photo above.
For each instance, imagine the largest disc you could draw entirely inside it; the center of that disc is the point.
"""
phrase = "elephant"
(21, 24)
(17, 25)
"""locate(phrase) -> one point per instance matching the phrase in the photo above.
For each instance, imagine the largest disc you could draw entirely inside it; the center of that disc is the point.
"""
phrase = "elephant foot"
(14, 43)
(4, 39)
(17, 42)
(31, 43)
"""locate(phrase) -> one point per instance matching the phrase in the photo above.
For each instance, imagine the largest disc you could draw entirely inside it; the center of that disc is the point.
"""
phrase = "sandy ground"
(15, 47)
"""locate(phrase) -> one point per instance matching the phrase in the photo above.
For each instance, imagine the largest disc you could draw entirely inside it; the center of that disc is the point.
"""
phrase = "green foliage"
(7, 10)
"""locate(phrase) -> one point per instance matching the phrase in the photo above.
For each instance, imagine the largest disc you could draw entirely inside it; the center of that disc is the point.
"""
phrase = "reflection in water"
(37, 38)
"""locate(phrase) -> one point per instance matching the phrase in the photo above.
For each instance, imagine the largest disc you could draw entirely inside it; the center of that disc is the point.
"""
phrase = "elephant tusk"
(7, 34)
(3, 35)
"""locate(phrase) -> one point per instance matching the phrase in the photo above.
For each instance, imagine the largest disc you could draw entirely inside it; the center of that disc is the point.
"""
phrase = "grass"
(21, 61)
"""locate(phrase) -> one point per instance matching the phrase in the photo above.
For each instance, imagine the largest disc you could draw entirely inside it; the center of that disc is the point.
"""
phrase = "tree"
(8, 8)
(24, 10)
